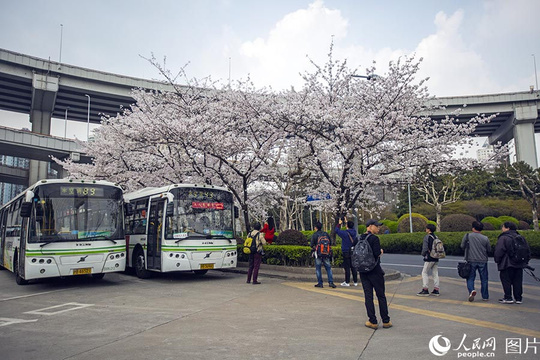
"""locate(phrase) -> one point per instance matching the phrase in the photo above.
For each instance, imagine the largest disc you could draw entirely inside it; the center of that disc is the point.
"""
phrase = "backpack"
(362, 258)
(437, 249)
(250, 244)
(519, 252)
(323, 246)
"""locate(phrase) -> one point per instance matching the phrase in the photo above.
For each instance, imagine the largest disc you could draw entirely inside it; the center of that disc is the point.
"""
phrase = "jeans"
(434, 266)
(374, 280)
(347, 266)
(483, 271)
(327, 265)
(512, 282)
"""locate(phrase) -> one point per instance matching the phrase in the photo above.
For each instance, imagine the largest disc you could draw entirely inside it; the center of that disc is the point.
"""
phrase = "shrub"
(418, 224)
(488, 226)
(493, 221)
(406, 216)
(504, 219)
(523, 225)
(391, 225)
(362, 229)
(457, 222)
(432, 223)
(291, 237)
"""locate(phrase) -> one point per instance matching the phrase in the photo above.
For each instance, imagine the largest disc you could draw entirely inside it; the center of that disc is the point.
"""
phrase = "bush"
(418, 224)
(504, 219)
(457, 222)
(488, 226)
(362, 229)
(291, 237)
(406, 216)
(493, 221)
(391, 225)
(523, 225)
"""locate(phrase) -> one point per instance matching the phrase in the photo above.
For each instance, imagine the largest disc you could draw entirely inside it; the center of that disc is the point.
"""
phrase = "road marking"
(435, 314)
(71, 306)
(419, 266)
(35, 294)
(493, 283)
(9, 321)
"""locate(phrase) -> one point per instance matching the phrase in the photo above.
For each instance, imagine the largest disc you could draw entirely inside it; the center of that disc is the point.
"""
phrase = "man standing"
(510, 270)
(477, 247)
(347, 239)
(374, 279)
(320, 241)
(429, 264)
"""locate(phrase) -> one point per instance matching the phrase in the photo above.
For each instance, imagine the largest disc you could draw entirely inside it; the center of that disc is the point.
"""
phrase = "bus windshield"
(200, 212)
(74, 212)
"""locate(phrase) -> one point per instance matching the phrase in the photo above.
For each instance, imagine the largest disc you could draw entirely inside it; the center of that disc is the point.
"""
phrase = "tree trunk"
(535, 214)
(438, 210)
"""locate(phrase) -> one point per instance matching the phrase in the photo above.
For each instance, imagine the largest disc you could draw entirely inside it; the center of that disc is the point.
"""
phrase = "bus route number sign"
(207, 205)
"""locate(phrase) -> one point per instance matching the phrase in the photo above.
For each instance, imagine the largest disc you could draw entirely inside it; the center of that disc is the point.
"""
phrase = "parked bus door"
(153, 250)
(3, 220)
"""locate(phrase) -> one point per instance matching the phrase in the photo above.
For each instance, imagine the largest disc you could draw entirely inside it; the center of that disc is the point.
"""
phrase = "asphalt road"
(219, 316)
(412, 265)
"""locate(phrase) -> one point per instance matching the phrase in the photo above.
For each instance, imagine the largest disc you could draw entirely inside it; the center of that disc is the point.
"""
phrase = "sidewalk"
(296, 273)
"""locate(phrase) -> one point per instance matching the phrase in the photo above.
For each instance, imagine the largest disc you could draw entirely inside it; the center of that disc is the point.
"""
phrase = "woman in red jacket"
(269, 229)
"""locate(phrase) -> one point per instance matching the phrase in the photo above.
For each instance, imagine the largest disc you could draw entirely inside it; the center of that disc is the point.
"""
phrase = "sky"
(467, 47)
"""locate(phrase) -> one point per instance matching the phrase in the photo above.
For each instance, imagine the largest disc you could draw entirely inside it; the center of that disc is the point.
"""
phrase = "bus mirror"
(236, 212)
(128, 207)
(26, 209)
(170, 209)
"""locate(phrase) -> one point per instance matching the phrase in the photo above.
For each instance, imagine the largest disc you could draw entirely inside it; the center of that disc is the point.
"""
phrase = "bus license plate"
(207, 266)
(82, 271)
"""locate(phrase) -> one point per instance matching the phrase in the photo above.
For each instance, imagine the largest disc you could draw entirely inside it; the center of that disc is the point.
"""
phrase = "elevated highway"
(45, 89)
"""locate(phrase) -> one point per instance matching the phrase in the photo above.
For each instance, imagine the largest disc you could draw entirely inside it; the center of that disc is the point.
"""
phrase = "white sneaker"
(344, 284)
(355, 284)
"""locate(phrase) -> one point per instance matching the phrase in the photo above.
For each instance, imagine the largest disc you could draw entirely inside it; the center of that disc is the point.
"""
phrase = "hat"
(373, 222)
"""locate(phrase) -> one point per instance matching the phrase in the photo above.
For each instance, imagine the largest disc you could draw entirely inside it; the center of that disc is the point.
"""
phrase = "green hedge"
(404, 243)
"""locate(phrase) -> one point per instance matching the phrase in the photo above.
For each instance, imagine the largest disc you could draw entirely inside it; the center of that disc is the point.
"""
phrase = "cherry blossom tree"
(365, 133)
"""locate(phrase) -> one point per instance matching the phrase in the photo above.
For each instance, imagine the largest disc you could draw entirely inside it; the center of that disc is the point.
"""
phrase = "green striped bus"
(61, 227)
(180, 227)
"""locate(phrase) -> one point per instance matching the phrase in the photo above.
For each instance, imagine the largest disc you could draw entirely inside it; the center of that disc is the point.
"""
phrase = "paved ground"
(219, 316)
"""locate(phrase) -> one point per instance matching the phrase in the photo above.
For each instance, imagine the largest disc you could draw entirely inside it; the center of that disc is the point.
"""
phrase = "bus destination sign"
(207, 205)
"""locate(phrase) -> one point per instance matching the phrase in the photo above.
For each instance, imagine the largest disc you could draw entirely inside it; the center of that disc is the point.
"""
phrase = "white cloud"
(278, 59)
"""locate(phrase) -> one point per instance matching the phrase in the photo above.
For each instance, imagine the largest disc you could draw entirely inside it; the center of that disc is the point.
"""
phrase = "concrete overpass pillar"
(524, 118)
(44, 90)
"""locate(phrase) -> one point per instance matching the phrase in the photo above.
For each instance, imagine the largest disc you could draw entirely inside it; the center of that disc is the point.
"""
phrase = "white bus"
(61, 228)
(180, 228)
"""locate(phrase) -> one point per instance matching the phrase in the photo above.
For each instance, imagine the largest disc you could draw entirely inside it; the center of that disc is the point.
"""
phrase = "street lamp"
(88, 119)
(368, 77)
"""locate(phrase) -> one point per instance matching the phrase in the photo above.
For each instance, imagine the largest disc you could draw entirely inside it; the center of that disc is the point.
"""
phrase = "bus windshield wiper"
(47, 243)
(100, 237)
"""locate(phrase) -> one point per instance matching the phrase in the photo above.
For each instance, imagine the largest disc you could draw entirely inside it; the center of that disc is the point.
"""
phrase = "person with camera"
(477, 245)
(347, 239)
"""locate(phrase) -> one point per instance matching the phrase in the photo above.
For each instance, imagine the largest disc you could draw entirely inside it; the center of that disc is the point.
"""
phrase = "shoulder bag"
(464, 267)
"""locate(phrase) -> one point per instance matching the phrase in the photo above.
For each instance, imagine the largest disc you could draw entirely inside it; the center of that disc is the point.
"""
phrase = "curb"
(300, 273)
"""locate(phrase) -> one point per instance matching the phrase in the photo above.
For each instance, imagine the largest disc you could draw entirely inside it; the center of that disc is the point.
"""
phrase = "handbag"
(464, 267)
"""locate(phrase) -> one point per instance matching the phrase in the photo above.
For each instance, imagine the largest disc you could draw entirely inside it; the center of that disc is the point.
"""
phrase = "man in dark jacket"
(374, 280)
(347, 239)
(321, 260)
(511, 274)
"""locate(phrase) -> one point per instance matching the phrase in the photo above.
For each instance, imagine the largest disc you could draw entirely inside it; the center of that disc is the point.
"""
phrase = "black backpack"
(519, 253)
(362, 258)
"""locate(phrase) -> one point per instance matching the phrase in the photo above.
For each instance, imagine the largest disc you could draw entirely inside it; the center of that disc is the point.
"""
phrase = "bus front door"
(153, 250)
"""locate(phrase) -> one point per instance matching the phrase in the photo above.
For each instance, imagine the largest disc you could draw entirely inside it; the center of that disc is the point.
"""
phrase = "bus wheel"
(18, 279)
(98, 276)
(200, 272)
(140, 268)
